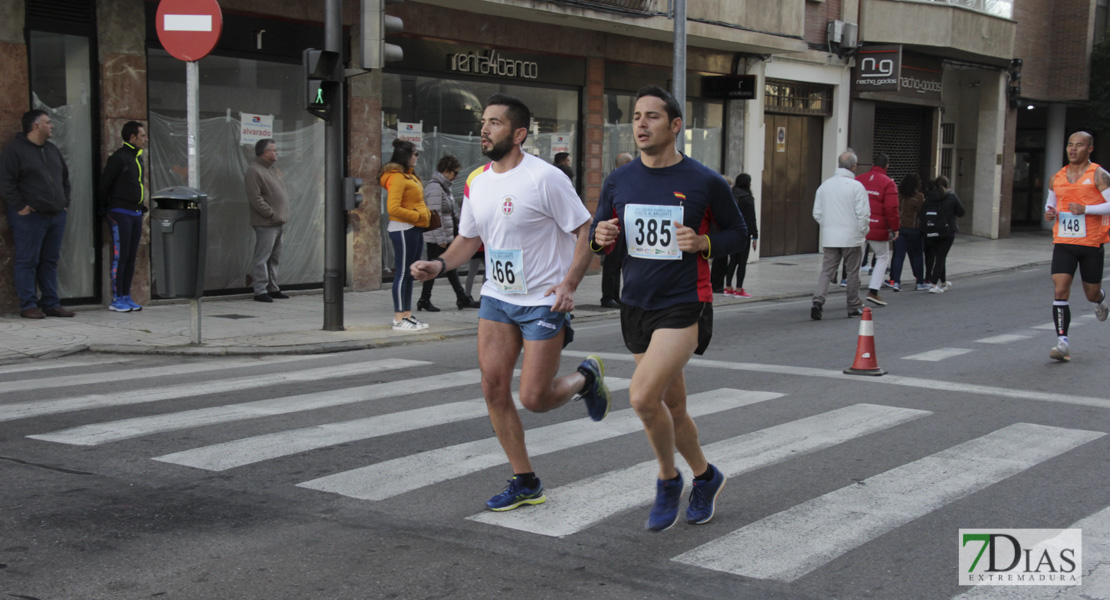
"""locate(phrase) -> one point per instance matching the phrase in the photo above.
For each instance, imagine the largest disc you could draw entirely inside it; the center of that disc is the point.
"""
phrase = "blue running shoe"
(596, 396)
(118, 305)
(134, 305)
(516, 494)
(703, 498)
(664, 514)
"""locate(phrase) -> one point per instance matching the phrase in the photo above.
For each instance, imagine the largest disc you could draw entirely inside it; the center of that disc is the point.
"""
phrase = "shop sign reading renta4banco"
(189, 29)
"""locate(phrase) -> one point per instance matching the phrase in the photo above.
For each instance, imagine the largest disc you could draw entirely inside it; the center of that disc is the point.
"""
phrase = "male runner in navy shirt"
(660, 206)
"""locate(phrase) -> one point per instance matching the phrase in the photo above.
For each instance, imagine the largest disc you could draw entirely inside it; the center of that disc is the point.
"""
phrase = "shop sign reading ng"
(490, 62)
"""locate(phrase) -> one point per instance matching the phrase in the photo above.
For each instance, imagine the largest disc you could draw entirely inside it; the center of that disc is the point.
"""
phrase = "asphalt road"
(363, 475)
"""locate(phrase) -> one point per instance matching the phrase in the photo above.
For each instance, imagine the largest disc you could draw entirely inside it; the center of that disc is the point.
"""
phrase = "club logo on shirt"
(507, 206)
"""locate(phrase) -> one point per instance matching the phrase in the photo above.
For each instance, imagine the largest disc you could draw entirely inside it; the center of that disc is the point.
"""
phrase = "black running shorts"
(1066, 257)
(638, 324)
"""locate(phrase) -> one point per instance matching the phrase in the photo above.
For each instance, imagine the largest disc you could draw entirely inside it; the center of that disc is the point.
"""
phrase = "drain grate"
(233, 316)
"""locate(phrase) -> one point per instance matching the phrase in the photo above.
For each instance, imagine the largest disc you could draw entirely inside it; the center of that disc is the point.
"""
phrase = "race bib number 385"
(650, 231)
(506, 269)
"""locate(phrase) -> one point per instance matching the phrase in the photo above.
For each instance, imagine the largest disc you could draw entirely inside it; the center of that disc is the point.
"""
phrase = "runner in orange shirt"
(1082, 190)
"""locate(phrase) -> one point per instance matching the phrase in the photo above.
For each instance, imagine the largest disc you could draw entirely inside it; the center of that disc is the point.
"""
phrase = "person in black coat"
(738, 262)
(121, 200)
(937, 247)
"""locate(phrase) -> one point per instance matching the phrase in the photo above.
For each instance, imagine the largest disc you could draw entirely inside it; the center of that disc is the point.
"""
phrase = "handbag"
(435, 222)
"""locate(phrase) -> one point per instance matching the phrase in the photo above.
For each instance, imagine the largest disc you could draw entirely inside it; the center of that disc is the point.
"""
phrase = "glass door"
(61, 84)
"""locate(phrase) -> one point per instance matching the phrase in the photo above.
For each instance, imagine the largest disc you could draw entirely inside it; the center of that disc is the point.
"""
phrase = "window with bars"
(797, 98)
(947, 149)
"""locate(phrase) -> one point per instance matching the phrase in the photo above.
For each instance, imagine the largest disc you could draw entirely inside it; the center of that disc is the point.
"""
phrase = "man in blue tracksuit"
(121, 200)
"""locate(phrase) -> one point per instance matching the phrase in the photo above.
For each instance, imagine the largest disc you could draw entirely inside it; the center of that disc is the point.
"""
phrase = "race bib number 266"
(506, 269)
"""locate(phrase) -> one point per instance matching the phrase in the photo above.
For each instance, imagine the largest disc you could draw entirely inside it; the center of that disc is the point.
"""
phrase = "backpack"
(933, 221)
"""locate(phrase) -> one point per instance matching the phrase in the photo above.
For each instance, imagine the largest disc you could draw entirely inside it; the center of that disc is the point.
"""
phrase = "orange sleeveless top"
(1082, 230)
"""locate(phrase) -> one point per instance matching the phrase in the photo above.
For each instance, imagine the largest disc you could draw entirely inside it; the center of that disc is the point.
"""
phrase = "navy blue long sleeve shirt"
(705, 197)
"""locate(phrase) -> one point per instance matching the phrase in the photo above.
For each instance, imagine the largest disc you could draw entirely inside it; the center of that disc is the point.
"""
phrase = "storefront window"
(61, 85)
(446, 115)
(702, 130)
(230, 87)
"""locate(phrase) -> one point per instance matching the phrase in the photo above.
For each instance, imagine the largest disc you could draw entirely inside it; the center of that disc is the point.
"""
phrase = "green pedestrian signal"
(322, 74)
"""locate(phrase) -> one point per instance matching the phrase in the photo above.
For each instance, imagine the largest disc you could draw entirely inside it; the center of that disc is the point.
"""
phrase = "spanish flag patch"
(680, 195)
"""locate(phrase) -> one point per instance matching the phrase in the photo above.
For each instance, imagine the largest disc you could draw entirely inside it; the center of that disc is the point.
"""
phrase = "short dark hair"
(561, 156)
(743, 181)
(942, 182)
(881, 160)
(29, 119)
(402, 152)
(262, 145)
(130, 128)
(674, 111)
(517, 111)
(448, 163)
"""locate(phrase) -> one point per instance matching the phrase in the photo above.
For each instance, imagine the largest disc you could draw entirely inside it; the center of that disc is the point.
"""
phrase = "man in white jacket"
(843, 211)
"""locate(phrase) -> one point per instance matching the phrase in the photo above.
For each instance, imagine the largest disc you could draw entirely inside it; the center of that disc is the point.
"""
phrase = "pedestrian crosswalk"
(794, 542)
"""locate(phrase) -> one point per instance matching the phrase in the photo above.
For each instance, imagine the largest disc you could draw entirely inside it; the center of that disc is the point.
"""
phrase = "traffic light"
(321, 81)
(351, 196)
(375, 25)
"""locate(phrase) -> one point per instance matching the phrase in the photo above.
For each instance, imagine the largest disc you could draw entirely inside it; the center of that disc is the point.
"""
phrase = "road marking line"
(929, 384)
(23, 410)
(1004, 339)
(60, 364)
(938, 354)
(1096, 570)
(407, 473)
(1046, 326)
(152, 372)
(574, 507)
(788, 545)
(112, 431)
(241, 452)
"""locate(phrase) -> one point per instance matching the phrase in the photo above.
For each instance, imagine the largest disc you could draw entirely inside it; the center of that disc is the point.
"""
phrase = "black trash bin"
(179, 233)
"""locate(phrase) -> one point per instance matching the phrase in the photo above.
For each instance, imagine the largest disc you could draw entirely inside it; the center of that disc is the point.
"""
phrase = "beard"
(498, 150)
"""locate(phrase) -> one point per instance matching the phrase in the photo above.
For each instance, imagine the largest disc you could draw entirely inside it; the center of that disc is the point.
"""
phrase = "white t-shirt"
(527, 215)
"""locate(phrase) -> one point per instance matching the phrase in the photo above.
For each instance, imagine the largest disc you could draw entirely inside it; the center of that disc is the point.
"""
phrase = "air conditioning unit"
(850, 39)
(843, 34)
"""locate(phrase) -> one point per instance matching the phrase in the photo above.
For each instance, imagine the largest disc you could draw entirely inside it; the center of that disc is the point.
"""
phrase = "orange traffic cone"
(867, 363)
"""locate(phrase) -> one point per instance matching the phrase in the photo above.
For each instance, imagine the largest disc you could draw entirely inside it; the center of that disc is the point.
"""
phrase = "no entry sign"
(189, 29)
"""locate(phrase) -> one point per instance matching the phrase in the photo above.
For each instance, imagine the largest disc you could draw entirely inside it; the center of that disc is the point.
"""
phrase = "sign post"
(189, 30)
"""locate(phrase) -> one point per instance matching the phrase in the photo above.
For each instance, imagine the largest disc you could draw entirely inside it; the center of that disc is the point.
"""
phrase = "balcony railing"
(646, 7)
(998, 8)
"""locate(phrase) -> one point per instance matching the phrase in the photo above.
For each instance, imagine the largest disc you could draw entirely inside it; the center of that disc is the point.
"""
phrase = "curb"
(369, 344)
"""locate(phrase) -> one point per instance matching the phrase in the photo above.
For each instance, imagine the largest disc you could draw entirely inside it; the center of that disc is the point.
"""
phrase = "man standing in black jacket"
(122, 202)
(34, 183)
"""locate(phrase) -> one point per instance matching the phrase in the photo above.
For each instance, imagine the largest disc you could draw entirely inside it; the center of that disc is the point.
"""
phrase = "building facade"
(96, 64)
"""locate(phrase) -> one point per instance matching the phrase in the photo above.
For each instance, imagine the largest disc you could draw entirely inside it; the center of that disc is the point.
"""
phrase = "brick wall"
(1054, 40)
(818, 15)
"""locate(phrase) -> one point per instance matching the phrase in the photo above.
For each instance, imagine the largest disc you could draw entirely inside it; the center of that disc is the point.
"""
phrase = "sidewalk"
(239, 325)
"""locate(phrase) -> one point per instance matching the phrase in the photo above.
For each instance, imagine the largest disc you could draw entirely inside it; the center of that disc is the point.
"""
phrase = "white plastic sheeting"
(222, 165)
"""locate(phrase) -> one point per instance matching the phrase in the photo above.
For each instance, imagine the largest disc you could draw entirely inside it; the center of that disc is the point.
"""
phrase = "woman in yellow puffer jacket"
(408, 218)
